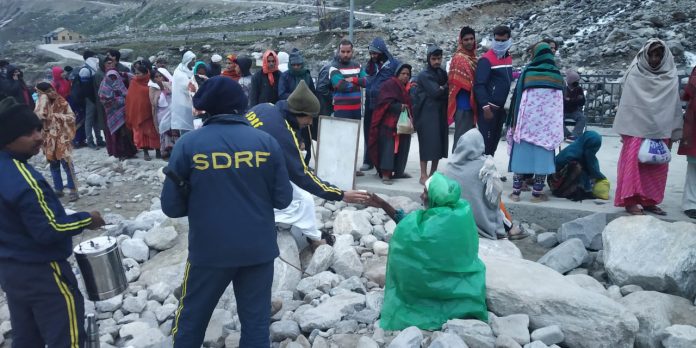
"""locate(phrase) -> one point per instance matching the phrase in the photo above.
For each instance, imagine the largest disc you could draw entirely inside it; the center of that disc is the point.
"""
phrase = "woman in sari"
(535, 124)
(139, 116)
(687, 147)
(387, 149)
(112, 93)
(649, 108)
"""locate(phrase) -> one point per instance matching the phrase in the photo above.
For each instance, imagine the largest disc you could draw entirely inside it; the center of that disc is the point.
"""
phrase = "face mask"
(500, 48)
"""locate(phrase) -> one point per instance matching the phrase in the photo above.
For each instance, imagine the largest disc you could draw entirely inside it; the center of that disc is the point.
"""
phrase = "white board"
(337, 150)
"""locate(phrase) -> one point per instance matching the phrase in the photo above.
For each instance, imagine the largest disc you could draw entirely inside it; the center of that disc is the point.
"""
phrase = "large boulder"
(679, 336)
(652, 253)
(588, 229)
(499, 248)
(167, 266)
(355, 223)
(587, 319)
(285, 276)
(655, 312)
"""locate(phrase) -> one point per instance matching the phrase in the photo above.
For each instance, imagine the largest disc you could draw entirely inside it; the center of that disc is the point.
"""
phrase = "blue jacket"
(277, 121)
(382, 73)
(288, 83)
(237, 177)
(33, 224)
(493, 78)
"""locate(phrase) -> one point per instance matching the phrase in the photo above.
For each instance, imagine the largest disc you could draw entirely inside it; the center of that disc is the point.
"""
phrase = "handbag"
(405, 123)
(654, 151)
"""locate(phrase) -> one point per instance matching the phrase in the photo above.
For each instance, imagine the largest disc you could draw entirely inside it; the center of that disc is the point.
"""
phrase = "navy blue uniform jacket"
(237, 176)
(277, 121)
(33, 224)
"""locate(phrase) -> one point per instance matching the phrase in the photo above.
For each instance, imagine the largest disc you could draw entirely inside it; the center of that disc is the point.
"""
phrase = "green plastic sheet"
(433, 271)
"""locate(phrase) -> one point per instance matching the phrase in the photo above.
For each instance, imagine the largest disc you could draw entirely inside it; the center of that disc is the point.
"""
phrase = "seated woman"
(387, 149)
(481, 186)
(577, 174)
(433, 271)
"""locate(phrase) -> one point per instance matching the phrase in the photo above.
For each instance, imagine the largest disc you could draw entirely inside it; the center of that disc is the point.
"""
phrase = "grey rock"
(513, 287)
(651, 253)
(134, 329)
(159, 292)
(389, 227)
(232, 340)
(109, 305)
(368, 241)
(346, 326)
(588, 229)
(355, 223)
(286, 277)
(132, 269)
(547, 239)
(506, 342)
(679, 336)
(448, 340)
(549, 335)
(96, 180)
(214, 334)
(135, 249)
(376, 270)
(380, 248)
(536, 344)
(366, 342)
(284, 329)
(475, 333)
(165, 312)
(565, 257)
(323, 281)
(498, 248)
(134, 304)
(366, 316)
(588, 283)
(148, 338)
(410, 337)
(655, 312)
(353, 284)
(330, 312)
(321, 260)
(629, 289)
(347, 262)
(400, 202)
(614, 292)
(129, 318)
(161, 238)
(515, 326)
(167, 266)
(374, 300)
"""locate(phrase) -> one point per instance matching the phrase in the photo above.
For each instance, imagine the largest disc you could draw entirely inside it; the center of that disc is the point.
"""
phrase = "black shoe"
(101, 143)
(91, 145)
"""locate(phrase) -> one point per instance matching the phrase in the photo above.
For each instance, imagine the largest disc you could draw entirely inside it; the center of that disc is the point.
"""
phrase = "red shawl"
(266, 70)
(689, 135)
(392, 90)
(461, 76)
(138, 107)
(231, 72)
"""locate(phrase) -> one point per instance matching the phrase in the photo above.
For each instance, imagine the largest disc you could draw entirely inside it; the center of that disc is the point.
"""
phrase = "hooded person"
(15, 86)
(60, 84)
(284, 120)
(387, 149)
(199, 77)
(687, 146)
(461, 104)
(283, 60)
(434, 273)
(244, 64)
(112, 94)
(379, 68)
(430, 112)
(46, 306)
(649, 108)
(573, 102)
(578, 175)
(215, 67)
(139, 116)
(57, 132)
(182, 107)
(161, 100)
(226, 245)
(264, 83)
(231, 69)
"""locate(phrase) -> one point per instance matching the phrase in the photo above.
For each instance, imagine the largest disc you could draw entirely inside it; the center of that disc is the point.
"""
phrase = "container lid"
(95, 245)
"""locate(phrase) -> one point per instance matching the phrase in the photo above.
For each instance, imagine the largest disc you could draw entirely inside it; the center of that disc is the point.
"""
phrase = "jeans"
(57, 177)
(91, 123)
(492, 129)
(580, 122)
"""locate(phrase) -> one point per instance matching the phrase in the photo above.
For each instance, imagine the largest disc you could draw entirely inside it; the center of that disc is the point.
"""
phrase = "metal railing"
(602, 95)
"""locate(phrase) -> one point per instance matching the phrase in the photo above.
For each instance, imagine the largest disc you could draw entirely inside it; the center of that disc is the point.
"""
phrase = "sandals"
(634, 210)
(655, 210)
(540, 198)
(520, 233)
(690, 213)
(514, 197)
(359, 173)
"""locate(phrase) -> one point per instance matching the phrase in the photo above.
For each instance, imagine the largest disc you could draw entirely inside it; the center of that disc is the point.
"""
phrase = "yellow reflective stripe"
(70, 304)
(323, 186)
(44, 206)
(181, 301)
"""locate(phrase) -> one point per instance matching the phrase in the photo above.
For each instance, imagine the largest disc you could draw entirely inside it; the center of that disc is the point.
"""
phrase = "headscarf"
(266, 70)
(541, 72)
(196, 75)
(185, 60)
(282, 60)
(461, 77)
(230, 71)
(112, 93)
(571, 77)
(61, 85)
(58, 125)
(649, 106)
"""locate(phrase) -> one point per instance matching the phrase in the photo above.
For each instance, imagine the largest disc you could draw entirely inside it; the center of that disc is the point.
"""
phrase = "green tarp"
(433, 271)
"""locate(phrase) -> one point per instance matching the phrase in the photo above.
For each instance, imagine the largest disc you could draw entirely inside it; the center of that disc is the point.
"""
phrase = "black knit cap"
(221, 95)
(16, 120)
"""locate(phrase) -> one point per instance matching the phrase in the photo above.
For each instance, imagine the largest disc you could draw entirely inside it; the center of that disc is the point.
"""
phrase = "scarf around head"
(649, 107)
(541, 72)
(266, 70)
(61, 85)
(230, 71)
(461, 77)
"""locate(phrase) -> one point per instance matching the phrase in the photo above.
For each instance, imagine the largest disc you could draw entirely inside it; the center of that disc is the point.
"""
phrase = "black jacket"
(261, 90)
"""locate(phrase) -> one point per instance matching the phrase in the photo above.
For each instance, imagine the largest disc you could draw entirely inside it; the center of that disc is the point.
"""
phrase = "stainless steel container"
(102, 270)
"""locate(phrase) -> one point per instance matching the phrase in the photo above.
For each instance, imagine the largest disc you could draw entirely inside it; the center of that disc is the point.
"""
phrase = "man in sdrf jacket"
(492, 86)
(283, 121)
(236, 176)
(46, 306)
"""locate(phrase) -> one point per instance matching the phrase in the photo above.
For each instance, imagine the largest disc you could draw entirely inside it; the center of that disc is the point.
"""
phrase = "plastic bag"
(601, 189)
(405, 124)
(654, 151)
(433, 271)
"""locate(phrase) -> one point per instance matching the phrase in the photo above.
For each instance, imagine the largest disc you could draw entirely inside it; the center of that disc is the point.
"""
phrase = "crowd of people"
(235, 140)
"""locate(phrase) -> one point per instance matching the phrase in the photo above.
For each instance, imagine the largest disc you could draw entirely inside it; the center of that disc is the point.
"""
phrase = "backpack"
(324, 87)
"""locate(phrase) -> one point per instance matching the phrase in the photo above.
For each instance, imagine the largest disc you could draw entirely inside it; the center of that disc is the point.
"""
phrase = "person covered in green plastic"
(433, 271)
